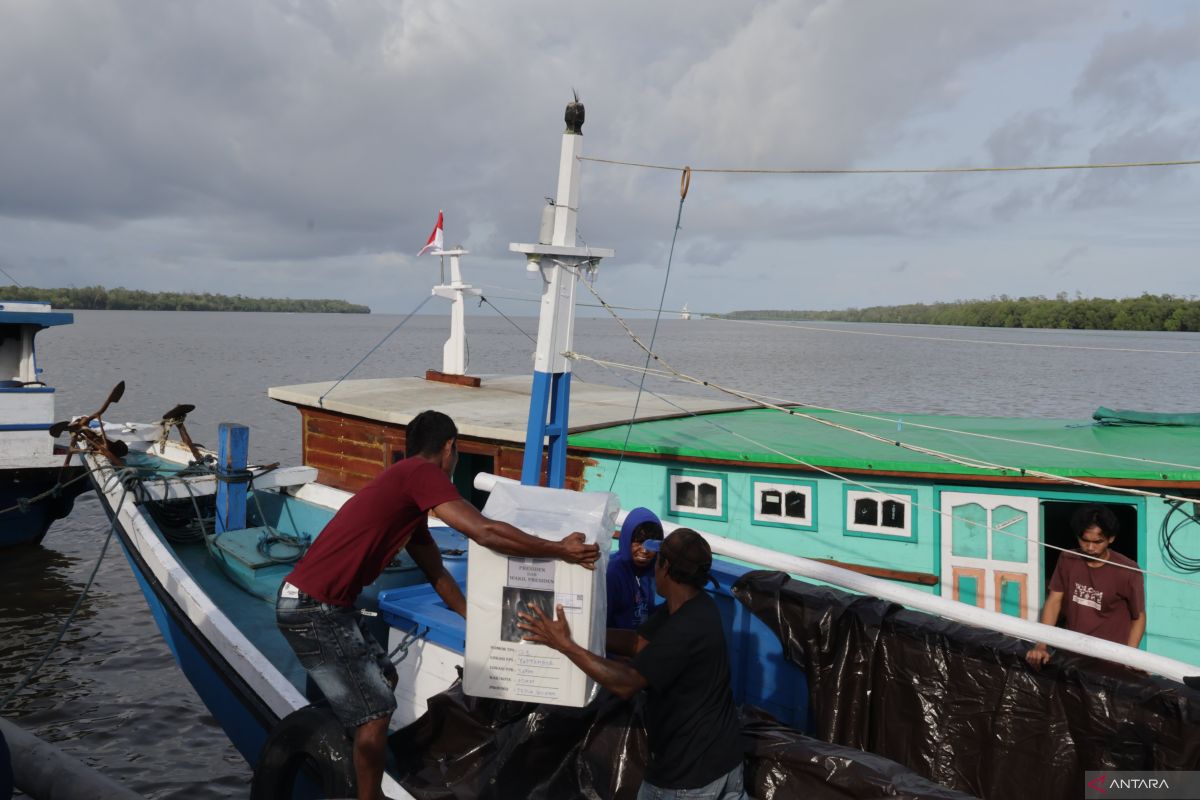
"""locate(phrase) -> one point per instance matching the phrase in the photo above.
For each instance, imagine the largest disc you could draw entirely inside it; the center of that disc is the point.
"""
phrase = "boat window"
(893, 514)
(783, 502)
(866, 511)
(885, 514)
(796, 506)
(697, 494)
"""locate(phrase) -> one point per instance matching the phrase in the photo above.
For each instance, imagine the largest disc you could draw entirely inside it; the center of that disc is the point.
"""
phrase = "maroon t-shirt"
(366, 533)
(1101, 601)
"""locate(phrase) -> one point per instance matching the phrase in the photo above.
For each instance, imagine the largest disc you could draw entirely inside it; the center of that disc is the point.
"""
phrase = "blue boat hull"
(237, 709)
(29, 525)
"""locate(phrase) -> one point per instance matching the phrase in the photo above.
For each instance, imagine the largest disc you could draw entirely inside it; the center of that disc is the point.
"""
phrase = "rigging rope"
(707, 419)
(321, 399)
(483, 300)
(938, 454)
(684, 182)
(889, 170)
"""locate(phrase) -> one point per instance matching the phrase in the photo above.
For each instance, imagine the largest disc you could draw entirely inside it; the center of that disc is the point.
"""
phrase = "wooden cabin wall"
(350, 451)
(347, 451)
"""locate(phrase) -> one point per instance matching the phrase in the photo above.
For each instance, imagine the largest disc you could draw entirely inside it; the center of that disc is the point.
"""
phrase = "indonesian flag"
(435, 238)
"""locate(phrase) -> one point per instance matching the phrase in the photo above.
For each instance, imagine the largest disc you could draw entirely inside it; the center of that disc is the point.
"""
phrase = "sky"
(284, 148)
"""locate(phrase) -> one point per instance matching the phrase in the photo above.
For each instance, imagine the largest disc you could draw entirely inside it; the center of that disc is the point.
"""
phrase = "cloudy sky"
(303, 148)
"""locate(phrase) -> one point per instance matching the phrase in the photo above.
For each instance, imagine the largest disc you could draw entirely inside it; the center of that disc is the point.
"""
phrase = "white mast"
(558, 260)
(454, 351)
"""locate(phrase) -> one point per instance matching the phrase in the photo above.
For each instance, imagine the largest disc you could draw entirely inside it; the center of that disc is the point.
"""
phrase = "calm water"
(111, 693)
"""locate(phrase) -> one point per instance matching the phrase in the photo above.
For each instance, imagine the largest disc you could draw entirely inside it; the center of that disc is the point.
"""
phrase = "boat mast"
(557, 258)
(454, 351)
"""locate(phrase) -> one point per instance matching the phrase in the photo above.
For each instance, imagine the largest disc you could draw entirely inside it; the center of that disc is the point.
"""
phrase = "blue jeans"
(727, 787)
(343, 658)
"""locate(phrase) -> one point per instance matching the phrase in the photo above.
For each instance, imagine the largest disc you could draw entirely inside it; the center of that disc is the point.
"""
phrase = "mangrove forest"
(1149, 312)
(122, 299)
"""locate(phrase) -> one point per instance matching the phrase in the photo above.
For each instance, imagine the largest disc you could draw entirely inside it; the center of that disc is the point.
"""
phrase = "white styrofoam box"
(498, 662)
(428, 669)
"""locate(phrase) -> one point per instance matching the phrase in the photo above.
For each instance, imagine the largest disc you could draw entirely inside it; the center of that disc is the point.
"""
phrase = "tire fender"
(310, 739)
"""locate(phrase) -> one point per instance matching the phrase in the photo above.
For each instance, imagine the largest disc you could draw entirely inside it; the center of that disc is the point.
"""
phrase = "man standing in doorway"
(682, 663)
(1104, 590)
(315, 607)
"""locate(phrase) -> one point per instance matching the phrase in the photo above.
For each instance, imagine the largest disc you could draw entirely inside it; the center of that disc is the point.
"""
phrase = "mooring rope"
(29, 676)
(321, 399)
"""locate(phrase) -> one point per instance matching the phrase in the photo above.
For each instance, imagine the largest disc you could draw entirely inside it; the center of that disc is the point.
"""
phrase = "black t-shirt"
(690, 718)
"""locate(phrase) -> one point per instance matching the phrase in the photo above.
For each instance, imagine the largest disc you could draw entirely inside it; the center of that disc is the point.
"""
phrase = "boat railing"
(931, 604)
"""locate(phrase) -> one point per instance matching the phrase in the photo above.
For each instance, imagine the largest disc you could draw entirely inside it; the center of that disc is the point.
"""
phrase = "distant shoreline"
(1148, 312)
(98, 298)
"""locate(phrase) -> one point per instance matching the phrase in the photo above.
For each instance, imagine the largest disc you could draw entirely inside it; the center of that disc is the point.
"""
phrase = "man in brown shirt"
(1103, 597)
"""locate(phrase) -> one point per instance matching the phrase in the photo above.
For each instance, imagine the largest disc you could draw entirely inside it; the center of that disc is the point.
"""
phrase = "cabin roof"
(25, 313)
(498, 409)
(1068, 447)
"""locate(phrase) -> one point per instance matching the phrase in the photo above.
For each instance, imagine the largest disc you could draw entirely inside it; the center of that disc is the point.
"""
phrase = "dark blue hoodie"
(624, 579)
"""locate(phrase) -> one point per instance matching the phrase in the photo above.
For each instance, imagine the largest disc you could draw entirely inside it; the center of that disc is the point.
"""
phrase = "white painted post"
(454, 351)
(558, 263)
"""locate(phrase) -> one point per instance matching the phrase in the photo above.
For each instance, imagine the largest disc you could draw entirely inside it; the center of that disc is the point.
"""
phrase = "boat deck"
(496, 410)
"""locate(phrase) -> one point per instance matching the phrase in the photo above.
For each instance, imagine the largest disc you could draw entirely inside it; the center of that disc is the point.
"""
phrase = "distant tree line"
(122, 299)
(1150, 312)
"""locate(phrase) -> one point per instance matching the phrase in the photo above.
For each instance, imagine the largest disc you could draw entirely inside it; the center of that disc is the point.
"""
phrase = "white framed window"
(785, 503)
(885, 514)
(697, 494)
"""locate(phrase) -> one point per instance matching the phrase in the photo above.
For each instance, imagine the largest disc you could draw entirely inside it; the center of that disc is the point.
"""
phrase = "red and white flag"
(435, 238)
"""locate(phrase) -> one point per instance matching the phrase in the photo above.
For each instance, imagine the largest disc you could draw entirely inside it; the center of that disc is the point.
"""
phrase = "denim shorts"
(727, 787)
(343, 658)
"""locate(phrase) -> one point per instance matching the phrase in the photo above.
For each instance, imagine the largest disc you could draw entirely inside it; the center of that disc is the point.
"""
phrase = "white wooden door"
(990, 551)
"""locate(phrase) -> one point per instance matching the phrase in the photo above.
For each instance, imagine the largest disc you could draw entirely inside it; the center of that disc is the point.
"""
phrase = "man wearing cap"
(682, 663)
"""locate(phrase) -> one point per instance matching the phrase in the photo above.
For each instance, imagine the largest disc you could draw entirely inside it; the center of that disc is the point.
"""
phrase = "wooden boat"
(31, 470)
(853, 670)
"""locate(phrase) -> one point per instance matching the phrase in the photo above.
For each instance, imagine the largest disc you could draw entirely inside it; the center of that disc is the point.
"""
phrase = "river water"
(111, 694)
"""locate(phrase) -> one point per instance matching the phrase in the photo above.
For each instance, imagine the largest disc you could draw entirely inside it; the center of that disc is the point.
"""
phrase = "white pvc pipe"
(932, 604)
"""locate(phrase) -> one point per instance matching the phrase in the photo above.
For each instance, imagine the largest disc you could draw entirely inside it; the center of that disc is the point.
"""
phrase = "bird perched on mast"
(574, 115)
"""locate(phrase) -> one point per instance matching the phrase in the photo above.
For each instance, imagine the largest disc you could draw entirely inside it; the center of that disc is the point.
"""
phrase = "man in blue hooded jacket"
(631, 595)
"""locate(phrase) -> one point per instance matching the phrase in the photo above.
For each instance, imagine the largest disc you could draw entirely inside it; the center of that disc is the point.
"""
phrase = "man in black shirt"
(680, 660)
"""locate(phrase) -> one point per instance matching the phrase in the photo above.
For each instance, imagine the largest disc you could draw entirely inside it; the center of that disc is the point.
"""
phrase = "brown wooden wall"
(350, 451)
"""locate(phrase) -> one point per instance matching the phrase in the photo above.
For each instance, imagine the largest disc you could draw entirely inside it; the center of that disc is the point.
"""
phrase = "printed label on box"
(531, 573)
(571, 603)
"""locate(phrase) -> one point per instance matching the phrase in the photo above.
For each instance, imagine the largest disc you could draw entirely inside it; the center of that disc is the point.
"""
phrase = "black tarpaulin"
(467, 747)
(960, 706)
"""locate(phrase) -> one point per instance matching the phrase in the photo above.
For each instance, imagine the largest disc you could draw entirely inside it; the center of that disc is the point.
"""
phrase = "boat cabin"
(26, 402)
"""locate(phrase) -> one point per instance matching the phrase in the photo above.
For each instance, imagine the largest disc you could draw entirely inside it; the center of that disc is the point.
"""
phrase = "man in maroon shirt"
(315, 607)
(1104, 590)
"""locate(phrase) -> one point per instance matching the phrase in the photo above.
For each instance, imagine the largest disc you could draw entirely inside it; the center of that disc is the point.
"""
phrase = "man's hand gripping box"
(498, 662)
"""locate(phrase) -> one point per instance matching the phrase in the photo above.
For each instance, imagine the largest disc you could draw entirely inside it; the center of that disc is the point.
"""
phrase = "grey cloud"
(1027, 137)
(1060, 264)
(1128, 70)
(151, 144)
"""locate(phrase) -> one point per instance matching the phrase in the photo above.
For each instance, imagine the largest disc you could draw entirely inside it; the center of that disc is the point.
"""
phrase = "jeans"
(343, 658)
(727, 787)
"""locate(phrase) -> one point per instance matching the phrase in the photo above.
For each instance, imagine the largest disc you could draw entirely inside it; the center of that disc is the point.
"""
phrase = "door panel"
(989, 551)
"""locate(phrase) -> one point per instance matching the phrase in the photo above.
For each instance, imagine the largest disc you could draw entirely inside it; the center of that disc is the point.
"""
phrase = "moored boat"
(32, 472)
(859, 672)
